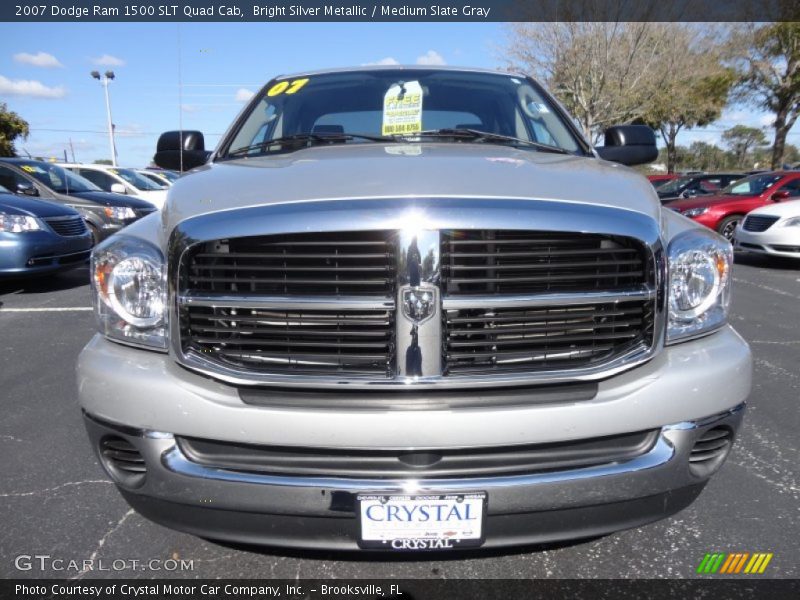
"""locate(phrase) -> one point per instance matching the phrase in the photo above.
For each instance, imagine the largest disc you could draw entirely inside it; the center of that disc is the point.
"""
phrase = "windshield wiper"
(485, 136)
(307, 140)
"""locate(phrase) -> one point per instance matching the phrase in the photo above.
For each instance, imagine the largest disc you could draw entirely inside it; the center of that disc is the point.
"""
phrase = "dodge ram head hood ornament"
(419, 303)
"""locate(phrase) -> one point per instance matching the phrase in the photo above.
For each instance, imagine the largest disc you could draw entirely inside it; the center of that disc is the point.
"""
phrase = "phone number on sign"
(127, 10)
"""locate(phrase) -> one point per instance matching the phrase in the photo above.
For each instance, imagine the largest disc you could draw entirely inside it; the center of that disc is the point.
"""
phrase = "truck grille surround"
(331, 304)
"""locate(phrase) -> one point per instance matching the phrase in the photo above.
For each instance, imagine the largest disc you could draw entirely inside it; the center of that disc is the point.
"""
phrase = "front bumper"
(775, 241)
(321, 512)
(40, 252)
(684, 391)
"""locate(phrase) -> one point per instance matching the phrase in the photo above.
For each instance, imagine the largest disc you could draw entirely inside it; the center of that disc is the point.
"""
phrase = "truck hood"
(424, 170)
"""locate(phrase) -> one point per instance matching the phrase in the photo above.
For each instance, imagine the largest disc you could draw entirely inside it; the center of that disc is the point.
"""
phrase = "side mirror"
(780, 195)
(27, 189)
(118, 188)
(629, 145)
(173, 145)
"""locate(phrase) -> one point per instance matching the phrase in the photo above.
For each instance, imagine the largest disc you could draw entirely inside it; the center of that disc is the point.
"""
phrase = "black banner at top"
(397, 10)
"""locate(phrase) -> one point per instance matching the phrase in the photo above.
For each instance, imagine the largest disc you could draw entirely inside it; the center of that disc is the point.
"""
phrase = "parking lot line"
(65, 309)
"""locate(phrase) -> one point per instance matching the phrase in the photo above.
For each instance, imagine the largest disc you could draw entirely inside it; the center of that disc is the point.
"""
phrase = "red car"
(724, 211)
(659, 180)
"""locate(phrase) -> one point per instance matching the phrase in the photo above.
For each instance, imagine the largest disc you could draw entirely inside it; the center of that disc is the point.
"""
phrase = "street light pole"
(105, 80)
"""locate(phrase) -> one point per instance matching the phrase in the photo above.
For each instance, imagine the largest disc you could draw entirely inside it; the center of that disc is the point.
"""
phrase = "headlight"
(695, 212)
(18, 223)
(129, 291)
(791, 222)
(120, 213)
(700, 265)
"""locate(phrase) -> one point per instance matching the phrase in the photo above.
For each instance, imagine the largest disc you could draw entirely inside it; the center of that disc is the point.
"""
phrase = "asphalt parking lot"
(55, 500)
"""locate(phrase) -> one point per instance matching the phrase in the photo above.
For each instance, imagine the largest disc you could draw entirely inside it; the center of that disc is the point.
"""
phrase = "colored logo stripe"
(731, 563)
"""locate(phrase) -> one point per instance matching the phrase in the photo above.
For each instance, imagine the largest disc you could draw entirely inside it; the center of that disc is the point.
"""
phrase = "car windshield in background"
(58, 179)
(675, 186)
(752, 186)
(140, 182)
(400, 105)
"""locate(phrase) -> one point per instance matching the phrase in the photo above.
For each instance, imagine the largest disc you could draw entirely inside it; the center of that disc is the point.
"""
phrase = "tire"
(728, 225)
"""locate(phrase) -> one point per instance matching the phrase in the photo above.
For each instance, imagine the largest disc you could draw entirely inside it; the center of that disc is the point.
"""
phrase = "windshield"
(168, 175)
(162, 185)
(400, 103)
(752, 186)
(140, 182)
(58, 179)
(675, 186)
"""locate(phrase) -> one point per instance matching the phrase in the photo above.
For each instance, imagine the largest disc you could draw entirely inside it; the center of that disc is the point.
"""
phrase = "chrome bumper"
(651, 484)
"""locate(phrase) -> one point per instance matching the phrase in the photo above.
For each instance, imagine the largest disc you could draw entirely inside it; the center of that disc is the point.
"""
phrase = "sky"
(45, 75)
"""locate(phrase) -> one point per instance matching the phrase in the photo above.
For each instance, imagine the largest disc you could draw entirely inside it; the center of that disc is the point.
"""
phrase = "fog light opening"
(710, 451)
(123, 461)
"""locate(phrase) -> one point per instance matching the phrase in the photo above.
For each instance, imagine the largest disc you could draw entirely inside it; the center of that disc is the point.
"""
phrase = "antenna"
(180, 100)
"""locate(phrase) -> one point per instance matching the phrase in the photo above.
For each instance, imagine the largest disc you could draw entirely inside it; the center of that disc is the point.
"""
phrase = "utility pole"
(107, 78)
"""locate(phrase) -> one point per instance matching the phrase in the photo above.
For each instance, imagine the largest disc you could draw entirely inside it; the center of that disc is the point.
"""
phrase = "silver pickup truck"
(411, 309)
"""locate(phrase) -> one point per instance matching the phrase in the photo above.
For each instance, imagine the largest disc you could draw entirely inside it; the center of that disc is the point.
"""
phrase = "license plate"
(421, 521)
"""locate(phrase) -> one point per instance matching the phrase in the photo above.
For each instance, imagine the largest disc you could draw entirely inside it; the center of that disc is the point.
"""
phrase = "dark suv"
(105, 213)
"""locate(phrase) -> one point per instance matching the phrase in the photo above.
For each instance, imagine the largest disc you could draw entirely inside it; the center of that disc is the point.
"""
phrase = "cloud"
(30, 88)
(431, 57)
(189, 108)
(108, 60)
(388, 61)
(40, 59)
(243, 95)
(132, 130)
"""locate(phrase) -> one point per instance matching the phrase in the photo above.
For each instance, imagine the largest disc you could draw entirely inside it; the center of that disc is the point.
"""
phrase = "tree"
(770, 76)
(741, 139)
(12, 126)
(603, 72)
(693, 84)
(103, 161)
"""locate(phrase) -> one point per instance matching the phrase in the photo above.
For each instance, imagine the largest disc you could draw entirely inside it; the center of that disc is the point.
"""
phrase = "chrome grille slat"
(324, 312)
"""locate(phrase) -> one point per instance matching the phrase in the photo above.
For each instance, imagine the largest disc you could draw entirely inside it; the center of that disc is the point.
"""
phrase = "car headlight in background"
(694, 212)
(119, 213)
(18, 223)
(791, 222)
(700, 263)
(129, 292)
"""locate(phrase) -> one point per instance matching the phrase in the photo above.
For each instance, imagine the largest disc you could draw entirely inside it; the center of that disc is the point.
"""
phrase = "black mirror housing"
(28, 189)
(629, 145)
(176, 145)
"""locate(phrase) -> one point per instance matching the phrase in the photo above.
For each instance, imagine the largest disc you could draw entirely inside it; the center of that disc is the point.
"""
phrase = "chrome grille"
(513, 262)
(759, 223)
(67, 226)
(550, 337)
(352, 342)
(537, 334)
(315, 304)
(315, 263)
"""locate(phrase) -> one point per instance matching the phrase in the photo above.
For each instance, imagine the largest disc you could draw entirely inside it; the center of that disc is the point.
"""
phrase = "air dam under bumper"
(249, 507)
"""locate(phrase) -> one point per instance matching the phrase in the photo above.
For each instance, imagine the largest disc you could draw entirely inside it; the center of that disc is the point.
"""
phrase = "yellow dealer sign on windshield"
(402, 109)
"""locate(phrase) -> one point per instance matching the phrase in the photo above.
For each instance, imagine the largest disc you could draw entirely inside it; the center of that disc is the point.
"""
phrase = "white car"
(121, 181)
(772, 230)
(162, 177)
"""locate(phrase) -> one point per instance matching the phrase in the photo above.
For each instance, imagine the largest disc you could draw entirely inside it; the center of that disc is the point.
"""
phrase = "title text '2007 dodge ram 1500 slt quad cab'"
(411, 309)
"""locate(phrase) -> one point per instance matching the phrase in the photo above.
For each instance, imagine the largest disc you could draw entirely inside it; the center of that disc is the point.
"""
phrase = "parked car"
(411, 309)
(690, 186)
(170, 176)
(660, 180)
(724, 211)
(772, 230)
(162, 182)
(39, 237)
(104, 213)
(121, 181)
